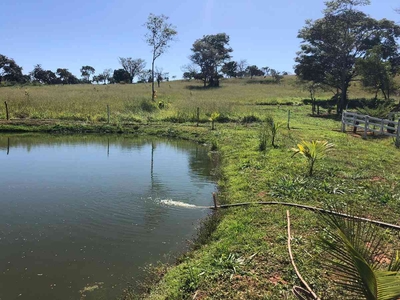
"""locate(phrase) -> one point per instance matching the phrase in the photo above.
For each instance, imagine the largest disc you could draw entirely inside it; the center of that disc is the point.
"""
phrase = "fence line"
(371, 124)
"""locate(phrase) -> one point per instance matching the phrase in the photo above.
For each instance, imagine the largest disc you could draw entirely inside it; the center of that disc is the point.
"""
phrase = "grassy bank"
(245, 255)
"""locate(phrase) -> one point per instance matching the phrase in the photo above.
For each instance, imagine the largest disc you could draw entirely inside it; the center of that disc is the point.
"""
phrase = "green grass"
(130, 103)
(242, 253)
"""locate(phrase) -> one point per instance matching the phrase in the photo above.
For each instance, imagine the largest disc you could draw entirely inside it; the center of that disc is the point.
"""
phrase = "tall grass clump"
(263, 138)
(273, 127)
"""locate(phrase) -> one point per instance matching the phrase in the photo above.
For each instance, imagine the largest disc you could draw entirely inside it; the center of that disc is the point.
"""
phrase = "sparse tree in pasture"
(254, 71)
(241, 67)
(86, 72)
(266, 70)
(132, 66)
(160, 75)
(160, 34)
(96, 79)
(189, 71)
(210, 53)
(107, 74)
(99, 78)
(145, 76)
(276, 76)
(333, 44)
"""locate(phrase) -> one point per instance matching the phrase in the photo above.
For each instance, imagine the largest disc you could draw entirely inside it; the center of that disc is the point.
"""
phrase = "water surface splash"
(170, 202)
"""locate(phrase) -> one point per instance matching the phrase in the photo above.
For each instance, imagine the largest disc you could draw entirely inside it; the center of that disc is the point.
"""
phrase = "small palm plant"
(313, 151)
(356, 260)
(214, 116)
(273, 127)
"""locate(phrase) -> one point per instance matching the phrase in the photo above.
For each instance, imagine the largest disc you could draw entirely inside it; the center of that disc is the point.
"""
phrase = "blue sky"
(70, 34)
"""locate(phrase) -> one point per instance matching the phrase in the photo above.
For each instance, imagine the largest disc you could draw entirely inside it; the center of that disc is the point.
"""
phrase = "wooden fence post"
(7, 115)
(343, 122)
(366, 126)
(198, 116)
(108, 114)
(288, 120)
(215, 200)
(397, 143)
(354, 124)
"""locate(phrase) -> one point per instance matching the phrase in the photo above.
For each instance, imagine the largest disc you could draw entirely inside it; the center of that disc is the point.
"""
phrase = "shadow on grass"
(334, 117)
(201, 88)
(265, 81)
(370, 135)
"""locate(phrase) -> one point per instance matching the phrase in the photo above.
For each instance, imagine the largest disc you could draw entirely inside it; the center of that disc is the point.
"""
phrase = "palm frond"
(388, 284)
(313, 151)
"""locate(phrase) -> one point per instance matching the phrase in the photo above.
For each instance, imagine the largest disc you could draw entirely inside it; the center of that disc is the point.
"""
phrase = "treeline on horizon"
(11, 73)
(343, 46)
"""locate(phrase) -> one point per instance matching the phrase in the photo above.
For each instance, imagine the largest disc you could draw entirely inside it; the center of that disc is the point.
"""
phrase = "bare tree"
(132, 66)
(190, 71)
(241, 67)
(160, 75)
(160, 34)
(107, 73)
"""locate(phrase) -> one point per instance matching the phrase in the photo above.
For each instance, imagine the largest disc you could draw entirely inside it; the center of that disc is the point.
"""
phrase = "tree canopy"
(86, 72)
(133, 66)
(122, 75)
(332, 45)
(210, 53)
(10, 71)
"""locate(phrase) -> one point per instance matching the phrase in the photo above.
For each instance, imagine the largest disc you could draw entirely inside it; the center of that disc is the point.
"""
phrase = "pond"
(80, 216)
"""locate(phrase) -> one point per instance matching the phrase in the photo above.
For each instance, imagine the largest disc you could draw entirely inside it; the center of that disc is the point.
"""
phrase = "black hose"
(312, 208)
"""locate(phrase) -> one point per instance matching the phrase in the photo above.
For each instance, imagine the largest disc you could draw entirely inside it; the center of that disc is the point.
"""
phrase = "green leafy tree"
(230, 69)
(254, 71)
(332, 45)
(132, 66)
(43, 76)
(121, 75)
(377, 73)
(86, 72)
(66, 77)
(10, 71)
(160, 34)
(210, 53)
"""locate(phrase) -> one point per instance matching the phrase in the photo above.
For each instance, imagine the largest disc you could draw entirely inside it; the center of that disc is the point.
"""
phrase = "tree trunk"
(384, 94)
(343, 98)
(152, 79)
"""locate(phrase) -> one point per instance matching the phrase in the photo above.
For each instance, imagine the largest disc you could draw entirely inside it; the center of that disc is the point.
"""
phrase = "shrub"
(250, 119)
